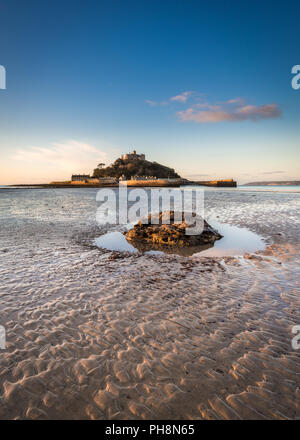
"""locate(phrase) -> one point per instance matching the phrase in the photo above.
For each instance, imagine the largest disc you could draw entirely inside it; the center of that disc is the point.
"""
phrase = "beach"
(98, 334)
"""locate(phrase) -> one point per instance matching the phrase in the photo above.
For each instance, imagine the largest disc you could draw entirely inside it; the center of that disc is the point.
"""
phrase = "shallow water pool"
(236, 241)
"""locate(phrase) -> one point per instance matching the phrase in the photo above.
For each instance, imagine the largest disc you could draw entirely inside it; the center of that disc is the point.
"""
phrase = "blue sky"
(204, 87)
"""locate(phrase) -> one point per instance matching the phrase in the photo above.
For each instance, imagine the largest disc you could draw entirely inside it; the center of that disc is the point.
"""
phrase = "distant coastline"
(274, 183)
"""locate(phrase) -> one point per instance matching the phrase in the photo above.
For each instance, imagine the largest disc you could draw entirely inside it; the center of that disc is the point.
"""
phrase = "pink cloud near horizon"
(237, 114)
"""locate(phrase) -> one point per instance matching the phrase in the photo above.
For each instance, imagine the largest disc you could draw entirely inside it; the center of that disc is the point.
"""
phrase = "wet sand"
(93, 334)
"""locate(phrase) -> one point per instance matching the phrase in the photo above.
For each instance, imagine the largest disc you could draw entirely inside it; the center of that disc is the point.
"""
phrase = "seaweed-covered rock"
(154, 233)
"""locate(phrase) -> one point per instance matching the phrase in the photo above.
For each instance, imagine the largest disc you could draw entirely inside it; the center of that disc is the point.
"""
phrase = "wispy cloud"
(155, 103)
(183, 97)
(225, 113)
(150, 102)
(198, 175)
(236, 101)
(69, 156)
(274, 172)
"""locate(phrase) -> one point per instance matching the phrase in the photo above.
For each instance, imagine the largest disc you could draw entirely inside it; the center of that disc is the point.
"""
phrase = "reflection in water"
(186, 251)
(235, 241)
(115, 241)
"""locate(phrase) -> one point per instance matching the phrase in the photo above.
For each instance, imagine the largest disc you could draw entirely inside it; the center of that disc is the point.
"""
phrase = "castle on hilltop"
(133, 155)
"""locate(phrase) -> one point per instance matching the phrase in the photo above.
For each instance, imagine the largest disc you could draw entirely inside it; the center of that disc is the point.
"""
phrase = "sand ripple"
(96, 336)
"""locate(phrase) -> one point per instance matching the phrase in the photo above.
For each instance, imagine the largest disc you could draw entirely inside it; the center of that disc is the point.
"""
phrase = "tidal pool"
(236, 241)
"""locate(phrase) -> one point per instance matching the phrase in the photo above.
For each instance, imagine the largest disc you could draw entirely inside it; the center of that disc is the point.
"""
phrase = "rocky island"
(132, 165)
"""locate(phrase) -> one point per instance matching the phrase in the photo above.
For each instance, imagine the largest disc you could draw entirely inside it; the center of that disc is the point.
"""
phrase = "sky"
(202, 87)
